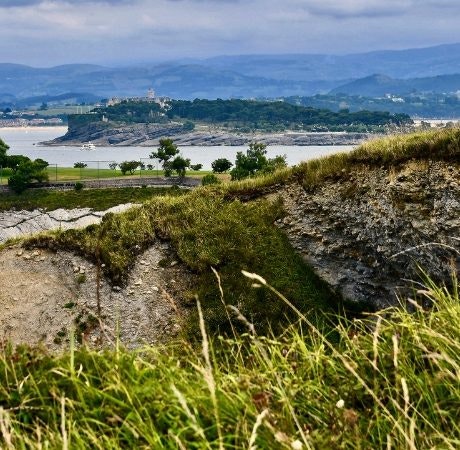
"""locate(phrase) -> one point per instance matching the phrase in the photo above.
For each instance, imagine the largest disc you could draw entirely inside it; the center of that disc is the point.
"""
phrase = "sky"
(45, 33)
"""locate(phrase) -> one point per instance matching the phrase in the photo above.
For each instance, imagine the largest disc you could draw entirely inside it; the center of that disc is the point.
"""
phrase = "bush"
(78, 186)
(26, 172)
(209, 179)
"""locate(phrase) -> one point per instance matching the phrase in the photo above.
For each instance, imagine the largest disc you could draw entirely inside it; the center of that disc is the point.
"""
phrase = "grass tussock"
(391, 381)
(207, 232)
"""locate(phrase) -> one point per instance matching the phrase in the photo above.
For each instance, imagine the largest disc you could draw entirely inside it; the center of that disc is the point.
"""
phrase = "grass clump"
(390, 381)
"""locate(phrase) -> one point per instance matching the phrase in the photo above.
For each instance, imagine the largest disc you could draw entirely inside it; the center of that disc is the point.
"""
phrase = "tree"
(278, 162)
(180, 165)
(221, 165)
(246, 165)
(3, 149)
(113, 165)
(26, 172)
(128, 166)
(80, 165)
(255, 162)
(165, 152)
(196, 167)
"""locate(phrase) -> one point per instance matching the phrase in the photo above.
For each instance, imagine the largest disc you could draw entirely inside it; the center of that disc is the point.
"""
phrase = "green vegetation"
(272, 116)
(221, 165)
(387, 382)
(128, 167)
(244, 115)
(89, 173)
(169, 156)
(21, 170)
(207, 232)
(273, 371)
(210, 179)
(99, 199)
(416, 104)
(255, 162)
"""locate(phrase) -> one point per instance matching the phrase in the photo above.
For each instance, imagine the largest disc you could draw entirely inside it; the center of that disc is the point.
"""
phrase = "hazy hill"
(234, 76)
(411, 63)
(379, 85)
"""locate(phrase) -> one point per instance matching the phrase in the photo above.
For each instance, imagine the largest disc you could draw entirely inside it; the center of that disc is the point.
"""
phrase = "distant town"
(52, 122)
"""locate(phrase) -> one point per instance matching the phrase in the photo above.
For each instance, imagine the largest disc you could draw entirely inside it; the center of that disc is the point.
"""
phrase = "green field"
(72, 174)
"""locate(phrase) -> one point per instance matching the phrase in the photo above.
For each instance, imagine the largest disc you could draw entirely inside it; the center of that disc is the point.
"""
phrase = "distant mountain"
(380, 85)
(244, 76)
(181, 81)
(411, 63)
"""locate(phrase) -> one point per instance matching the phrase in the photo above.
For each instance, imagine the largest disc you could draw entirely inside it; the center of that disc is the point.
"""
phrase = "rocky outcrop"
(149, 134)
(369, 233)
(14, 224)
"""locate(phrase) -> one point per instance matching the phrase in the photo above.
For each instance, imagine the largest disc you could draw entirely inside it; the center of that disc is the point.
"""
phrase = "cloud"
(357, 8)
(25, 3)
(48, 32)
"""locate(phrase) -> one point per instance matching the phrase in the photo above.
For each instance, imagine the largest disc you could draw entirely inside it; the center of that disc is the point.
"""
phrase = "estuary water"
(25, 141)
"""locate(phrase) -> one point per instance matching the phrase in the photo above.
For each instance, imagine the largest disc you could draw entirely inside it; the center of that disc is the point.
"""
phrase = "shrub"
(209, 179)
(78, 186)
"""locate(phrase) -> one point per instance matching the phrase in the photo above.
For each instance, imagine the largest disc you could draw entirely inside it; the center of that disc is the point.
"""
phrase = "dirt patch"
(45, 295)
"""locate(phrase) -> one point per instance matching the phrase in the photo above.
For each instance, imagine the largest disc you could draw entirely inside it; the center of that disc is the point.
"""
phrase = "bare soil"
(45, 295)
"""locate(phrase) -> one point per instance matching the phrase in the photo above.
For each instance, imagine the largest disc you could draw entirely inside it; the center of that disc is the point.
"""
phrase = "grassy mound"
(206, 232)
(391, 381)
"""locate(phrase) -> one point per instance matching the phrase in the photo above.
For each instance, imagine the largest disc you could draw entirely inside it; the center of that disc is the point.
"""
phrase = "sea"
(26, 141)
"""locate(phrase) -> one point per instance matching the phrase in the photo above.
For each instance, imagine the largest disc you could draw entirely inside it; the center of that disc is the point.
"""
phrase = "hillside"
(262, 357)
(220, 122)
(355, 226)
(426, 105)
(380, 85)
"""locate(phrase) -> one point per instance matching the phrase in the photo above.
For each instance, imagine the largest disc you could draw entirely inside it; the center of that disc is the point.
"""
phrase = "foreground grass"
(99, 199)
(391, 381)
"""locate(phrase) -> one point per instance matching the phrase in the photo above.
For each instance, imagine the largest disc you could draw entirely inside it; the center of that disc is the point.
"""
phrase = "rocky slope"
(370, 232)
(149, 134)
(367, 230)
(46, 294)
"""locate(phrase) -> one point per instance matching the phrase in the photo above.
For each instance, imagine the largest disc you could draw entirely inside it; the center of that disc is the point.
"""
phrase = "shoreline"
(29, 128)
(137, 138)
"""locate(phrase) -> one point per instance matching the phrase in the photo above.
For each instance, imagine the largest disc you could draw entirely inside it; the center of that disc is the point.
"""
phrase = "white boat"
(88, 146)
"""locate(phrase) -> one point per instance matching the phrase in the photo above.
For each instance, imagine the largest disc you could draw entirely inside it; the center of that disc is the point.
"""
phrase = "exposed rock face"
(148, 134)
(45, 295)
(365, 233)
(15, 224)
